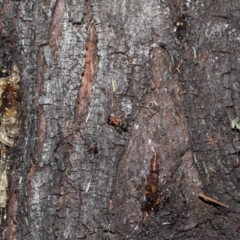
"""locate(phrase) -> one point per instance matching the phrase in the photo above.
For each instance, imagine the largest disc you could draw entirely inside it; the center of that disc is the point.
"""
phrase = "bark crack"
(89, 74)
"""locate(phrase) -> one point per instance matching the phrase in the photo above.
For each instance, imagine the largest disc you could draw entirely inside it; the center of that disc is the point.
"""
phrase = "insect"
(180, 25)
(119, 124)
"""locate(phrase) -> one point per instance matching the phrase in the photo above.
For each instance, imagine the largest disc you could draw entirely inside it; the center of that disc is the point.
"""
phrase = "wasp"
(119, 124)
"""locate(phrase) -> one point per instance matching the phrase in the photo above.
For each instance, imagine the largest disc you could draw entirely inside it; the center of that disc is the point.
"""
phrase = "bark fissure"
(90, 69)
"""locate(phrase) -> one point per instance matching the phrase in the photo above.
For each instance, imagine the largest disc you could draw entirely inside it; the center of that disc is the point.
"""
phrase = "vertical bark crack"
(91, 62)
(41, 135)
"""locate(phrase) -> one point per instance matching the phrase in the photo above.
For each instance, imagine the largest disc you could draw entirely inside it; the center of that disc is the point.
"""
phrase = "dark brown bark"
(169, 71)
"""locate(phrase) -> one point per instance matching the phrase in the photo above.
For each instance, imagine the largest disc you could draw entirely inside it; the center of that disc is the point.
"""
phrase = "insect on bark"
(118, 123)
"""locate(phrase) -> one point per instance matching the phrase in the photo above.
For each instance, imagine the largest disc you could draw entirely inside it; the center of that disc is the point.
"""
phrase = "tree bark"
(167, 74)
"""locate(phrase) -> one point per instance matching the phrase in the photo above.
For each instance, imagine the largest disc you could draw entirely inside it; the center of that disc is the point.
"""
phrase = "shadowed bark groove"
(41, 135)
(169, 70)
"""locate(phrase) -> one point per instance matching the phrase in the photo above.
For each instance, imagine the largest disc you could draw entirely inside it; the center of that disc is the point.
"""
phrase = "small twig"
(178, 67)
(165, 28)
(142, 15)
(87, 118)
(208, 199)
(113, 86)
(156, 14)
(88, 186)
(194, 56)
(166, 223)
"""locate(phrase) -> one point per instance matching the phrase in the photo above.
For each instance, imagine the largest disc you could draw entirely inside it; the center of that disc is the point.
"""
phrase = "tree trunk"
(125, 118)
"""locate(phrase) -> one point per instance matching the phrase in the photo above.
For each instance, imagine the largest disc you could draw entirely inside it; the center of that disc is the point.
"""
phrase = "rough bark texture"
(170, 69)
